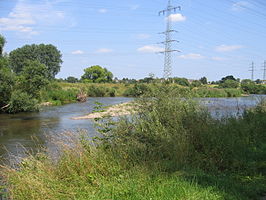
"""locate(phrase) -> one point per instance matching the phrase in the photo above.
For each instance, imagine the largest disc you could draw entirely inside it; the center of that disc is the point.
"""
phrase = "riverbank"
(112, 111)
(171, 149)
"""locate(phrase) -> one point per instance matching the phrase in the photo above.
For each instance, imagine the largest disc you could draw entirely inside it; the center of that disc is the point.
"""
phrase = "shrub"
(57, 95)
(96, 91)
(231, 92)
(229, 84)
(177, 132)
(112, 92)
(209, 92)
(22, 102)
(137, 90)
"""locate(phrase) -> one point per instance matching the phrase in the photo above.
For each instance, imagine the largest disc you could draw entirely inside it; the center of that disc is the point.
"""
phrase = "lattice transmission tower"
(264, 72)
(168, 38)
(252, 69)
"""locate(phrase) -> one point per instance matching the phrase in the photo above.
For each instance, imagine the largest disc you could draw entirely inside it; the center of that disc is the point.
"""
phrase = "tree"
(203, 80)
(229, 84)
(33, 78)
(181, 81)
(97, 74)
(230, 77)
(71, 79)
(48, 55)
(196, 83)
(2, 44)
(7, 81)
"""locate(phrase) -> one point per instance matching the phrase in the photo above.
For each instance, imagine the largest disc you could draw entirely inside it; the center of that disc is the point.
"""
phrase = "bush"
(179, 133)
(229, 84)
(22, 102)
(97, 91)
(209, 92)
(231, 92)
(137, 90)
(112, 92)
(57, 95)
(251, 87)
(181, 81)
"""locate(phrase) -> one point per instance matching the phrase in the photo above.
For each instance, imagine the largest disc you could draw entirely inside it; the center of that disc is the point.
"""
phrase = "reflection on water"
(223, 107)
(28, 130)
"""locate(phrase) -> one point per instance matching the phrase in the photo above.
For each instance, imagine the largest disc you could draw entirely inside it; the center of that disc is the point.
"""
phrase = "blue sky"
(217, 37)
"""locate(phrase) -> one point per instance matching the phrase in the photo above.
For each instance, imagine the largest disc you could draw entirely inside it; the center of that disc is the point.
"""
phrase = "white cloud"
(227, 48)
(240, 5)
(218, 58)
(25, 16)
(103, 10)
(150, 49)
(143, 36)
(177, 17)
(192, 56)
(104, 50)
(77, 52)
(134, 7)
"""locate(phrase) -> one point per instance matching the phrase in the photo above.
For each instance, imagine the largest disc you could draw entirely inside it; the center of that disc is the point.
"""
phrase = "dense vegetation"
(170, 149)
(24, 73)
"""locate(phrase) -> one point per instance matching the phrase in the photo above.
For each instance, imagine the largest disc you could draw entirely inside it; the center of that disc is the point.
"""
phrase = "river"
(26, 131)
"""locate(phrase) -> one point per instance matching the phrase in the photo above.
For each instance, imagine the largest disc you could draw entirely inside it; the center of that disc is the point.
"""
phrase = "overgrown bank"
(171, 149)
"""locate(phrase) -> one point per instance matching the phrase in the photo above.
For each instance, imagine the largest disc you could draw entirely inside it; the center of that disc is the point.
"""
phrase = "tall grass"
(170, 149)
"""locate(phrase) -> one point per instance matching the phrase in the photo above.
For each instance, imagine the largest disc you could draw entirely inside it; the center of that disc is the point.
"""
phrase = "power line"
(168, 39)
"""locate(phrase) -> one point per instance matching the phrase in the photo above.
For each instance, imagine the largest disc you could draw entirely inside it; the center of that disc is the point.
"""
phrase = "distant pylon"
(264, 72)
(168, 39)
(252, 69)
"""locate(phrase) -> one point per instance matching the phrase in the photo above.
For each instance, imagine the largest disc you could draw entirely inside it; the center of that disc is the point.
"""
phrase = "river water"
(30, 130)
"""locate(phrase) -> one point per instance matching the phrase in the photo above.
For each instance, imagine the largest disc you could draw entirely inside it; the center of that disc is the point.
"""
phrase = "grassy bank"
(139, 89)
(171, 149)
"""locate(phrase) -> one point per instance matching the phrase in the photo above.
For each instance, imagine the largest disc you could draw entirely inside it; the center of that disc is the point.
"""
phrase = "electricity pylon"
(264, 72)
(252, 69)
(168, 39)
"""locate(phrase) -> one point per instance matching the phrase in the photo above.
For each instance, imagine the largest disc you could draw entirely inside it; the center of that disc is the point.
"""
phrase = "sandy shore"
(113, 111)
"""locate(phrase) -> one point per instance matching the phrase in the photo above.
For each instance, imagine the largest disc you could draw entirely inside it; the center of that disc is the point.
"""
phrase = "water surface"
(28, 130)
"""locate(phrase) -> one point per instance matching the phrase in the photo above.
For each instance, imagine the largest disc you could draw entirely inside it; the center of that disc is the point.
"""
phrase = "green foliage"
(2, 44)
(228, 83)
(71, 79)
(178, 133)
(181, 81)
(233, 92)
(96, 91)
(33, 78)
(101, 91)
(230, 77)
(97, 74)
(55, 94)
(251, 87)
(196, 83)
(209, 92)
(21, 102)
(3, 62)
(7, 81)
(48, 55)
(137, 90)
(204, 80)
